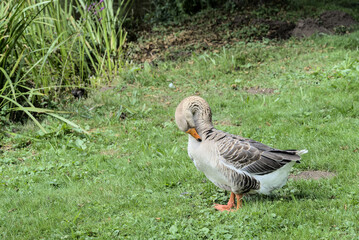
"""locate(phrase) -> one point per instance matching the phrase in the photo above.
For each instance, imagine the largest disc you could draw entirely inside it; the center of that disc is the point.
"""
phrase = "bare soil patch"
(308, 27)
(5, 148)
(224, 122)
(329, 22)
(333, 19)
(259, 90)
(315, 175)
(110, 152)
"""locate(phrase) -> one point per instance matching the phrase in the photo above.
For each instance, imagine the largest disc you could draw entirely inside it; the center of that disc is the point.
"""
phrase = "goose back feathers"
(232, 162)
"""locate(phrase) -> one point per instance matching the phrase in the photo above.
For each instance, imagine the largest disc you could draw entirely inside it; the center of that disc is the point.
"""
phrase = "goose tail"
(301, 152)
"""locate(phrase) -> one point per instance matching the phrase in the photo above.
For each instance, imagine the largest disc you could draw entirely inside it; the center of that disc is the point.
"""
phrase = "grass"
(131, 177)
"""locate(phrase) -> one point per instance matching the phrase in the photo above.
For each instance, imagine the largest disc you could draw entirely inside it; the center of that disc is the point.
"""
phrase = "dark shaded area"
(329, 22)
(333, 19)
(276, 29)
(215, 28)
(79, 92)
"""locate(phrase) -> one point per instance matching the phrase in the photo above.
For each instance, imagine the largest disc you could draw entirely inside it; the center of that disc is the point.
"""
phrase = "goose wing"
(251, 156)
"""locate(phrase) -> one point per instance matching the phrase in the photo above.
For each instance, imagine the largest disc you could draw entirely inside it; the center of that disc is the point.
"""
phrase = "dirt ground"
(329, 22)
(205, 32)
(259, 90)
(315, 175)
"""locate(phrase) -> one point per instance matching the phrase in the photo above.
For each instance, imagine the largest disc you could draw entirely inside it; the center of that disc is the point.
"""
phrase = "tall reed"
(45, 48)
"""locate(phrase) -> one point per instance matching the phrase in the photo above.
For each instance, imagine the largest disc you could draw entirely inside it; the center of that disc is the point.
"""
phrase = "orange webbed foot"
(222, 208)
(227, 207)
(230, 204)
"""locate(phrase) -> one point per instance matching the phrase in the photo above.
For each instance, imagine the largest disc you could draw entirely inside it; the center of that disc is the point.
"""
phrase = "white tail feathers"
(304, 151)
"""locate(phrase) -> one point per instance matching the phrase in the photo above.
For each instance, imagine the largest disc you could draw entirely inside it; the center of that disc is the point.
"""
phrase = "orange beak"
(193, 133)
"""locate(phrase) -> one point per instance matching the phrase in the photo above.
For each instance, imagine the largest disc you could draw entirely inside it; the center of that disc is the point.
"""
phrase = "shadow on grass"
(282, 197)
(289, 195)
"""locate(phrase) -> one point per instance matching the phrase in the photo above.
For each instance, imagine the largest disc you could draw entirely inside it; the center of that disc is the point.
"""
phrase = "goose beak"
(193, 133)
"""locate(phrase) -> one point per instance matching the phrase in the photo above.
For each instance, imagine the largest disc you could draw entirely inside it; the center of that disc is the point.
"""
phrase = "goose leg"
(239, 200)
(229, 205)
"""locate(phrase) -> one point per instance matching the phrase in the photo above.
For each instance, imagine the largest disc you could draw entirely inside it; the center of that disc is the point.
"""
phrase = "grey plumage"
(232, 162)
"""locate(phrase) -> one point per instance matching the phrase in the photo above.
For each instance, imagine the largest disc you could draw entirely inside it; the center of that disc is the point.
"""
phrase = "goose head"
(193, 115)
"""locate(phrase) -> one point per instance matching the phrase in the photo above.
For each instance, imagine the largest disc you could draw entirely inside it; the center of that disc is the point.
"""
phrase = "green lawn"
(131, 176)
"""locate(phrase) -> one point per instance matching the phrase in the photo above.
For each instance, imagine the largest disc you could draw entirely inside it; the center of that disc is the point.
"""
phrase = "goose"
(233, 163)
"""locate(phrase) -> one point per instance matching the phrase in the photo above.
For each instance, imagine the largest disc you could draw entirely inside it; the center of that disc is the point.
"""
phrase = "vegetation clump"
(49, 46)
